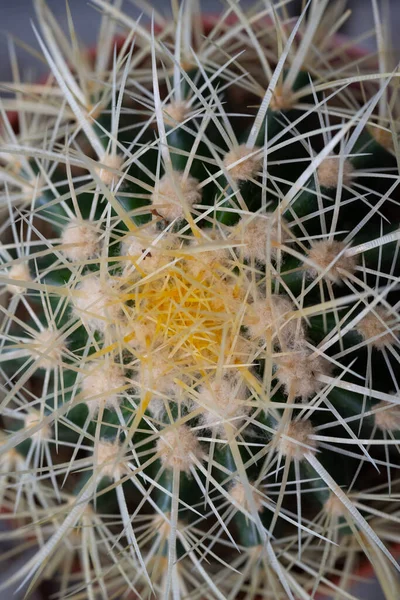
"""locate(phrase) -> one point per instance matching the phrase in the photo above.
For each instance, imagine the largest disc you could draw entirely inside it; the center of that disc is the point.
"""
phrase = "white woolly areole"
(389, 418)
(270, 317)
(139, 334)
(298, 370)
(179, 448)
(109, 161)
(328, 172)
(19, 272)
(223, 401)
(282, 99)
(96, 304)
(47, 348)
(146, 253)
(256, 234)
(101, 386)
(11, 160)
(243, 352)
(299, 443)
(107, 459)
(248, 163)
(32, 188)
(82, 239)
(176, 112)
(325, 253)
(157, 375)
(334, 507)
(157, 408)
(377, 325)
(238, 493)
(11, 460)
(384, 137)
(33, 419)
(161, 525)
(171, 196)
(208, 261)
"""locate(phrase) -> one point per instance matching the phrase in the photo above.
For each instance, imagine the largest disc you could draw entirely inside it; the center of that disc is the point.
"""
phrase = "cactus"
(199, 341)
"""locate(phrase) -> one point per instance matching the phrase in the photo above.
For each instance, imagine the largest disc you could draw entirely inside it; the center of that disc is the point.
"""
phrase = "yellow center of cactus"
(190, 311)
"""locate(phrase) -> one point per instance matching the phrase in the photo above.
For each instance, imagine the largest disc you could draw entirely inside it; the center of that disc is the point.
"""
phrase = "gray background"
(15, 20)
(16, 15)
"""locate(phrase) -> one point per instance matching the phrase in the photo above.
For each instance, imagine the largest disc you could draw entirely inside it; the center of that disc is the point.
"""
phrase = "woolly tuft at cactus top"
(200, 288)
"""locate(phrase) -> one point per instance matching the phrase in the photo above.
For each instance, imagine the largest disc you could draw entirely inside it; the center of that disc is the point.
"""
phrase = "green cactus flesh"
(200, 353)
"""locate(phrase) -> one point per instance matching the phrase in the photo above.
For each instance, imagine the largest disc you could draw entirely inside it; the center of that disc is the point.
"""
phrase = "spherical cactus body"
(200, 332)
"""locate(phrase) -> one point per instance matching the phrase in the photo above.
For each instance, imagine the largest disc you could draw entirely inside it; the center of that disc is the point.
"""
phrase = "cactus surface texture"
(200, 286)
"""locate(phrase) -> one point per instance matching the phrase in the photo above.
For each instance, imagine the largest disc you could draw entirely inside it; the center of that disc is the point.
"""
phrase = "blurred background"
(16, 18)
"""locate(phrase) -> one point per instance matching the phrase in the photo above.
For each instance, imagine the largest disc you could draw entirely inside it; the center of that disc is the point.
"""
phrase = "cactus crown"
(200, 268)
